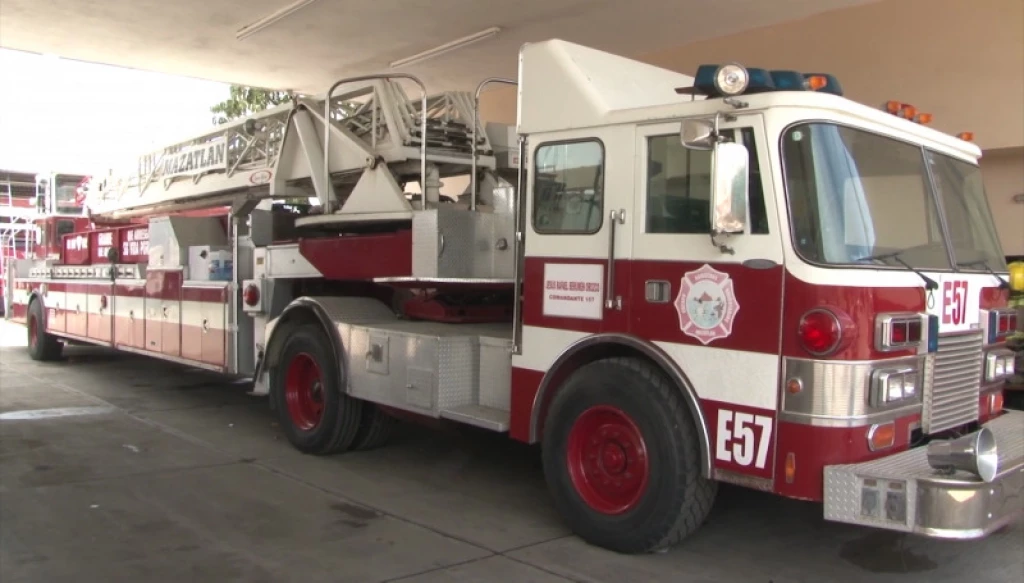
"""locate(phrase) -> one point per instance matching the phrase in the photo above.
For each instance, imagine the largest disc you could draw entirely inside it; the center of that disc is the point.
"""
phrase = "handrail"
(423, 126)
(476, 122)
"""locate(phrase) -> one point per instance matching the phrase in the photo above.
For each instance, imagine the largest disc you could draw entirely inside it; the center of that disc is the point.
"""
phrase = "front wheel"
(622, 458)
(317, 416)
(42, 345)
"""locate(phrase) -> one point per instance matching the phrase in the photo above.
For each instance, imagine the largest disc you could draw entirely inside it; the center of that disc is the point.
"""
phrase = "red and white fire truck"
(666, 281)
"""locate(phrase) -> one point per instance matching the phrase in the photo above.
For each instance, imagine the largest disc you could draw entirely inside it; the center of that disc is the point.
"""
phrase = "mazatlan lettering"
(204, 157)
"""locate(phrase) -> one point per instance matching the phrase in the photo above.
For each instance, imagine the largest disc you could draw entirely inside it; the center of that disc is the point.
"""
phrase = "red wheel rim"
(304, 392)
(607, 460)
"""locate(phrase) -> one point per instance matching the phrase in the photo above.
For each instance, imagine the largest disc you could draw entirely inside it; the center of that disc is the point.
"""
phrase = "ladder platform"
(479, 416)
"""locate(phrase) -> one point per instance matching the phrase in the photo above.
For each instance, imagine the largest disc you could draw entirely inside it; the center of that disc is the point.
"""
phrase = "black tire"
(42, 345)
(338, 420)
(652, 514)
(375, 428)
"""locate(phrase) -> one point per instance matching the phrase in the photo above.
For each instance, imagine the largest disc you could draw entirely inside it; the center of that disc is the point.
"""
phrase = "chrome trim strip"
(848, 422)
(647, 349)
(519, 247)
(834, 390)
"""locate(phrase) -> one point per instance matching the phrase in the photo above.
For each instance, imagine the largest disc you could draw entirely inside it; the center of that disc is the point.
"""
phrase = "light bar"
(447, 47)
(733, 79)
(254, 27)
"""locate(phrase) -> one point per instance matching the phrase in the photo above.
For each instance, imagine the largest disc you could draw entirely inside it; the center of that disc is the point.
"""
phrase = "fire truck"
(665, 281)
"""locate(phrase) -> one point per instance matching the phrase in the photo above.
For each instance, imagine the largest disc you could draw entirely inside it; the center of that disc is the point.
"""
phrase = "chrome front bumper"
(902, 492)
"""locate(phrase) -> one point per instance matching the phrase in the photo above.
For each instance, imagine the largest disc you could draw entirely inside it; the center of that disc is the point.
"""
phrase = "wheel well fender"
(302, 311)
(602, 346)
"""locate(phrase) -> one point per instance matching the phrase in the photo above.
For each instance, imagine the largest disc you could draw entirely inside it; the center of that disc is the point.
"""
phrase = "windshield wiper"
(929, 283)
(1003, 284)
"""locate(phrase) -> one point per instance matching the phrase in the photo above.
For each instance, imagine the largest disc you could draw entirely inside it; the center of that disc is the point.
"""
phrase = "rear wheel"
(622, 458)
(375, 428)
(316, 415)
(41, 344)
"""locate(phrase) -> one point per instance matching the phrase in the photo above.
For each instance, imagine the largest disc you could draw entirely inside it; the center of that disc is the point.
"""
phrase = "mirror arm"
(721, 246)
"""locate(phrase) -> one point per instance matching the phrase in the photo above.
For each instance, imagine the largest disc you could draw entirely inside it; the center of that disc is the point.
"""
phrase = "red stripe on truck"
(217, 295)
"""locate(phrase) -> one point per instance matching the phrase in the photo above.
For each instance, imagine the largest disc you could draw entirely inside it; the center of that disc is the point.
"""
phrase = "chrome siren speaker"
(975, 453)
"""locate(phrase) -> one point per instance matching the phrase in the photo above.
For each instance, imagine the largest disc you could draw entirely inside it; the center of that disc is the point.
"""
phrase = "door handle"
(613, 301)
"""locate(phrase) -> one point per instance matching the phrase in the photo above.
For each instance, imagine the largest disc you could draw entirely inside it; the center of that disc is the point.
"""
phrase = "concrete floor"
(158, 472)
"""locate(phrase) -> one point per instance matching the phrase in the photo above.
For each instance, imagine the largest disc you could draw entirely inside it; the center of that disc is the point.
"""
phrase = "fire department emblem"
(706, 304)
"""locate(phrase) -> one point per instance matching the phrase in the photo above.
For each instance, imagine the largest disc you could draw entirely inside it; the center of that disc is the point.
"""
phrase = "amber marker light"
(817, 82)
(794, 386)
(995, 403)
(881, 436)
(790, 467)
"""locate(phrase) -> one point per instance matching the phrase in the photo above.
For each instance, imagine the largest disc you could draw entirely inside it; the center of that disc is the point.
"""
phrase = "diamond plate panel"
(495, 372)
(847, 488)
(430, 366)
(845, 484)
(456, 381)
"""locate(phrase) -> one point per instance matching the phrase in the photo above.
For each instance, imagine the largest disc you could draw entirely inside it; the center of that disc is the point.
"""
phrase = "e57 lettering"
(742, 438)
(954, 302)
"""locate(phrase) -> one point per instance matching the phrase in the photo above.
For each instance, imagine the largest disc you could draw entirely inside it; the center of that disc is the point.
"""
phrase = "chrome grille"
(952, 382)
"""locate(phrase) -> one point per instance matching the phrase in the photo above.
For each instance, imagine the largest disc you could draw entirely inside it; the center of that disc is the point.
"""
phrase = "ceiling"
(329, 39)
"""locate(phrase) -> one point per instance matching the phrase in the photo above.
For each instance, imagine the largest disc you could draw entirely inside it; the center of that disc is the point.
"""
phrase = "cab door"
(714, 307)
(578, 186)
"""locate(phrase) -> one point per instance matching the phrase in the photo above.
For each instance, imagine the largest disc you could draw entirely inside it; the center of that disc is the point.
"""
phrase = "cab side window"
(64, 227)
(679, 187)
(568, 187)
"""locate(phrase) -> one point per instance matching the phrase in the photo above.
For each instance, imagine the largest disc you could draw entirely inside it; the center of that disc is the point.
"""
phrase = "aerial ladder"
(378, 142)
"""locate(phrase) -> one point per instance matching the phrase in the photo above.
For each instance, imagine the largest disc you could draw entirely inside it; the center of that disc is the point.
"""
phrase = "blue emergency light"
(733, 79)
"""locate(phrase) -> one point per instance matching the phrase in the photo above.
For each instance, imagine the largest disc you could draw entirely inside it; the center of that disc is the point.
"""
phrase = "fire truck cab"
(665, 281)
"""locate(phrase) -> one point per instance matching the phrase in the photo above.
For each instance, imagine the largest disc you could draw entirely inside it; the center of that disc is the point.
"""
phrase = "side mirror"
(729, 188)
(112, 255)
(697, 134)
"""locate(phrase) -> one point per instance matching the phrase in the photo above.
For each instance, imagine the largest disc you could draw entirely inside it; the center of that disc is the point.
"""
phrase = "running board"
(478, 415)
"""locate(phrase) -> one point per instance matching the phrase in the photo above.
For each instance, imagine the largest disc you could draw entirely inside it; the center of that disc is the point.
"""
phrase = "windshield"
(859, 198)
(971, 228)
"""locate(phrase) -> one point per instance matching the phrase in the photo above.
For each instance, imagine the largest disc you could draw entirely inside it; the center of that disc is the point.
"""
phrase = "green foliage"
(246, 101)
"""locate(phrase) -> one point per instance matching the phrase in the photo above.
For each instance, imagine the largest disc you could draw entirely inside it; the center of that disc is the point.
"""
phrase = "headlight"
(999, 364)
(893, 385)
(732, 79)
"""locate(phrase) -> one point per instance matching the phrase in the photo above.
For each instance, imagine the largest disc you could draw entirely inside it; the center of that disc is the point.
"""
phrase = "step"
(478, 415)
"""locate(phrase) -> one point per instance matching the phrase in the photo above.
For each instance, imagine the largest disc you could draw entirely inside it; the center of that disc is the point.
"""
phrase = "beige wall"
(1004, 177)
(960, 60)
